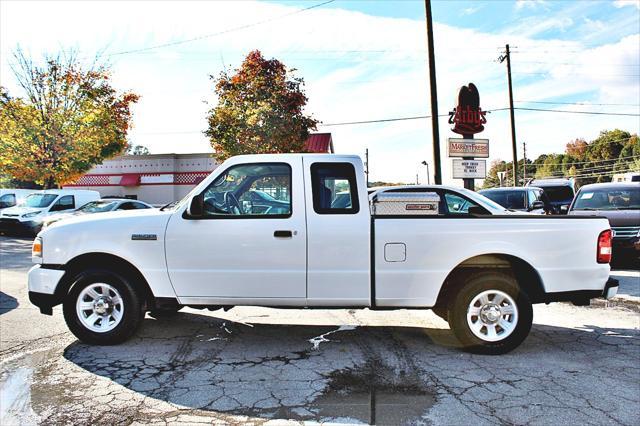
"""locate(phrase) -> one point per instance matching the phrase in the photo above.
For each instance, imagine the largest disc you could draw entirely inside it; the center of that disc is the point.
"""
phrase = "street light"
(428, 177)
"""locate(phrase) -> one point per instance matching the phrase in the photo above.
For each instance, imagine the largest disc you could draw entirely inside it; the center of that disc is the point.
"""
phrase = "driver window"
(458, 205)
(250, 190)
(64, 203)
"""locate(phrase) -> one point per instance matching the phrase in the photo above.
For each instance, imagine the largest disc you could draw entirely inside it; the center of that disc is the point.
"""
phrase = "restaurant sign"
(459, 147)
(467, 117)
(469, 169)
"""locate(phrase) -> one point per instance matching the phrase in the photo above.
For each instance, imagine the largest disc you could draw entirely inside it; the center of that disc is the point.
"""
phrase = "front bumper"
(14, 226)
(626, 245)
(43, 283)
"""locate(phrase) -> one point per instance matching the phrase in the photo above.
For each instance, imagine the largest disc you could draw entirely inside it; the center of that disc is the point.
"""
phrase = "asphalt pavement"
(259, 365)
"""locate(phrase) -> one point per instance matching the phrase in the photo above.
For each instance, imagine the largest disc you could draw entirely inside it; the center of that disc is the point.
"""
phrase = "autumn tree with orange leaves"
(69, 119)
(259, 110)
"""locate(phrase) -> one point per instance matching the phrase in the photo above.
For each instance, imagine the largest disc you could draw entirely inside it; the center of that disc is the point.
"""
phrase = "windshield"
(98, 207)
(558, 193)
(608, 199)
(482, 200)
(40, 200)
(509, 199)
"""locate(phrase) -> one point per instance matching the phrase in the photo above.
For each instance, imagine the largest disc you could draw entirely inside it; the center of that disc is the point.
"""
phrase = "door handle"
(283, 234)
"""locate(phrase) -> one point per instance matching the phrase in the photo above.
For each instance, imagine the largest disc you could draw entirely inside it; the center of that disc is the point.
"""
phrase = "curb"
(620, 301)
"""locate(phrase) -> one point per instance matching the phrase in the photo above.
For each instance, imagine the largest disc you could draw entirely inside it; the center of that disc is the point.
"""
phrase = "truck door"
(251, 241)
(338, 229)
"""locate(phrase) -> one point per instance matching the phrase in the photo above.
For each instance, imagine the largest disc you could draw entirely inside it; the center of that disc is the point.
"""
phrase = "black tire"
(132, 313)
(165, 312)
(473, 286)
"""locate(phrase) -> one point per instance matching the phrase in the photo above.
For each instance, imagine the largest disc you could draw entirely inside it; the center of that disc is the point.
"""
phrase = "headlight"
(32, 214)
(36, 248)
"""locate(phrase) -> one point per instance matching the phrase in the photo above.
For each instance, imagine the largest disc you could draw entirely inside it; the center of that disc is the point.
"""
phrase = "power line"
(386, 120)
(346, 123)
(230, 30)
(575, 63)
(578, 112)
(575, 103)
(586, 175)
(595, 169)
(574, 73)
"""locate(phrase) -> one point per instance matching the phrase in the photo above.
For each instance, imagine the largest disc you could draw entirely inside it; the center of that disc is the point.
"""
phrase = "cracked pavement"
(580, 365)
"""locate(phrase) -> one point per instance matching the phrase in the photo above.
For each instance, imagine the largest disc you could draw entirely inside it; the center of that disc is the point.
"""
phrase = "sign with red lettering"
(459, 147)
(467, 117)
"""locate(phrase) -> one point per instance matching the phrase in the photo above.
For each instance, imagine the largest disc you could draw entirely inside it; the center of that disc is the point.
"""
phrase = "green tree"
(602, 154)
(69, 119)
(629, 158)
(259, 110)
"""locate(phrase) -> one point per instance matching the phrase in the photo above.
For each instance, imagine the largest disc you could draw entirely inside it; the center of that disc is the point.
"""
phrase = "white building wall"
(163, 178)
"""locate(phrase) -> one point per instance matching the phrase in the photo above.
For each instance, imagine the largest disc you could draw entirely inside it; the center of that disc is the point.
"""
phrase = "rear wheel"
(102, 308)
(490, 314)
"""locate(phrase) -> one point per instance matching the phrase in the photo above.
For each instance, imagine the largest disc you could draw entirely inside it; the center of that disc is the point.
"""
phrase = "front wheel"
(102, 308)
(490, 314)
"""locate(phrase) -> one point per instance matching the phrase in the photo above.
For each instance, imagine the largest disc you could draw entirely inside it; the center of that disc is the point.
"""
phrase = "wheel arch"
(110, 262)
(526, 275)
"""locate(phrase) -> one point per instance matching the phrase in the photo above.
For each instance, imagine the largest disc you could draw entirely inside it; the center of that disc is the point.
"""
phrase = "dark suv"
(620, 203)
(527, 199)
(559, 191)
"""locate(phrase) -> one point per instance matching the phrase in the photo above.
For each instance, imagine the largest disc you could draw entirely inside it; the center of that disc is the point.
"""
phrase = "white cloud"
(357, 67)
(624, 3)
(529, 4)
(470, 10)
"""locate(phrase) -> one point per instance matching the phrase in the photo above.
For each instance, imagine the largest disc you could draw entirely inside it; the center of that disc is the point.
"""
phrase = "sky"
(361, 61)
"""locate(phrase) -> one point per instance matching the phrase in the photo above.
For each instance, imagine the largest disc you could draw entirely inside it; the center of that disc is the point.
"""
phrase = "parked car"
(528, 199)
(28, 217)
(99, 206)
(620, 204)
(10, 197)
(450, 249)
(559, 191)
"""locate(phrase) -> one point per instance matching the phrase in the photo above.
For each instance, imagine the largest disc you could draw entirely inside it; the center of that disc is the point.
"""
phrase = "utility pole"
(434, 96)
(366, 164)
(502, 58)
(524, 166)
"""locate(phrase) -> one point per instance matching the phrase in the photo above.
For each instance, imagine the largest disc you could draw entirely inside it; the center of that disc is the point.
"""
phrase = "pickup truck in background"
(319, 241)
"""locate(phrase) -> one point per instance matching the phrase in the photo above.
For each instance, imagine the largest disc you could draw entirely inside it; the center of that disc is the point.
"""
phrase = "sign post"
(468, 119)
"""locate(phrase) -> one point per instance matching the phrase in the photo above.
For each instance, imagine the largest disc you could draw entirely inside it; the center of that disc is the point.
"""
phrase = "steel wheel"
(492, 315)
(100, 307)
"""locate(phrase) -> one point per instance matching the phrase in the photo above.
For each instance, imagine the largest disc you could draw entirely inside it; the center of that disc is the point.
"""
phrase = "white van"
(10, 197)
(37, 206)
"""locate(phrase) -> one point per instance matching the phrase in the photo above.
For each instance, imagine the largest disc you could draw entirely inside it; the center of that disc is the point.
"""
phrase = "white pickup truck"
(300, 230)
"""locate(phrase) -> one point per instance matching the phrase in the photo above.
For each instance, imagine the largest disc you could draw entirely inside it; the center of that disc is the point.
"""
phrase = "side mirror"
(537, 205)
(564, 209)
(196, 207)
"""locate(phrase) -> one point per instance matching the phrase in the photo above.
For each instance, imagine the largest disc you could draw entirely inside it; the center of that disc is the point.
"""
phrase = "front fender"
(114, 234)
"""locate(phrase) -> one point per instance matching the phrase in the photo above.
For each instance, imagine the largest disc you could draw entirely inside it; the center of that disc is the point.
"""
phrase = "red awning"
(320, 143)
(131, 179)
